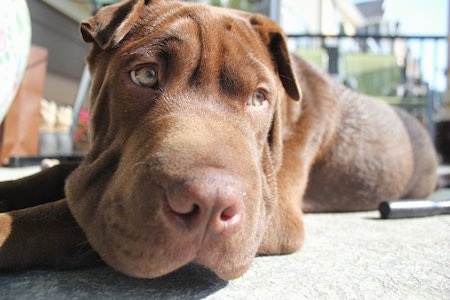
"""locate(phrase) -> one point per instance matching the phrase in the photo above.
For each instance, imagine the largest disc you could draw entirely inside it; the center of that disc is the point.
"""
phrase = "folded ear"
(273, 37)
(275, 140)
(110, 25)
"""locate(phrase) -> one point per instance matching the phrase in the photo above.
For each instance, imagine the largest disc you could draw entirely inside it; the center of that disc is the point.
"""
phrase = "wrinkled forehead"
(189, 23)
(217, 42)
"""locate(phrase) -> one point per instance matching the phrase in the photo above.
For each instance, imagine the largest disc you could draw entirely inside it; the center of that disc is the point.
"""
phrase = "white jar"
(15, 41)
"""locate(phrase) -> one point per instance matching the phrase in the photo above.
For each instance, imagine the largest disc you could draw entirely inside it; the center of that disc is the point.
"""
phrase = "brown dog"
(204, 149)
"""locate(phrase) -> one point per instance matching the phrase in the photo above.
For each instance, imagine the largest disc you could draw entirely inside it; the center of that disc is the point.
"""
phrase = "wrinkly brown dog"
(207, 142)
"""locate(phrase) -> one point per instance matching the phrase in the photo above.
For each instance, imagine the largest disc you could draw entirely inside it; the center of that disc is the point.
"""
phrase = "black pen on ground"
(413, 208)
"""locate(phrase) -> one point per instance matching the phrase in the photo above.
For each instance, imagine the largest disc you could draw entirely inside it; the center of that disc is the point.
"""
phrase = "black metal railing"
(369, 64)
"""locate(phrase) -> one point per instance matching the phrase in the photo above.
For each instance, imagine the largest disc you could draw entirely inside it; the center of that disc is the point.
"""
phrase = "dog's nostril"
(184, 209)
(225, 217)
(195, 211)
(230, 214)
(181, 203)
(187, 218)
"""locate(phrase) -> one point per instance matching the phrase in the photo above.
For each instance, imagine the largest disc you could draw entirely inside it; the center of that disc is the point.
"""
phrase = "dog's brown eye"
(257, 99)
(145, 76)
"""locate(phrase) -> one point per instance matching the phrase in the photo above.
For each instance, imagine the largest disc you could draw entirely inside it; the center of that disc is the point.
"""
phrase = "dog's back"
(373, 151)
(424, 177)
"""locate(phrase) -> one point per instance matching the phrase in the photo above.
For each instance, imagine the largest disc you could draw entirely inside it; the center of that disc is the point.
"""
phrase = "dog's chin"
(138, 271)
(228, 258)
(150, 256)
(148, 268)
(227, 271)
(226, 268)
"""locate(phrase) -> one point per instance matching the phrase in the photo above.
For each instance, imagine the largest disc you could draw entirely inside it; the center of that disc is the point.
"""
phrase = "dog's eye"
(257, 99)
(145, 76)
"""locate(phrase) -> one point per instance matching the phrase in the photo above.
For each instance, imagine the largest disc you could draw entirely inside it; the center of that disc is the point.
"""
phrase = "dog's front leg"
(45, 235)
(285, 231)
(43, 187)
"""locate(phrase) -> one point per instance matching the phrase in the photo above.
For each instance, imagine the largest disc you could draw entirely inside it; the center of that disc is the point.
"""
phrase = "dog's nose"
(211, 201)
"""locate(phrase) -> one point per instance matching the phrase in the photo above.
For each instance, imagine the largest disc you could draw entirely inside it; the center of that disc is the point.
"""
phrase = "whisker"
(141, 163)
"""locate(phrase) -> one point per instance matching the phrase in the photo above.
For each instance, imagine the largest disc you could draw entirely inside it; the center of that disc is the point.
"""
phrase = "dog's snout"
(211, 202)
